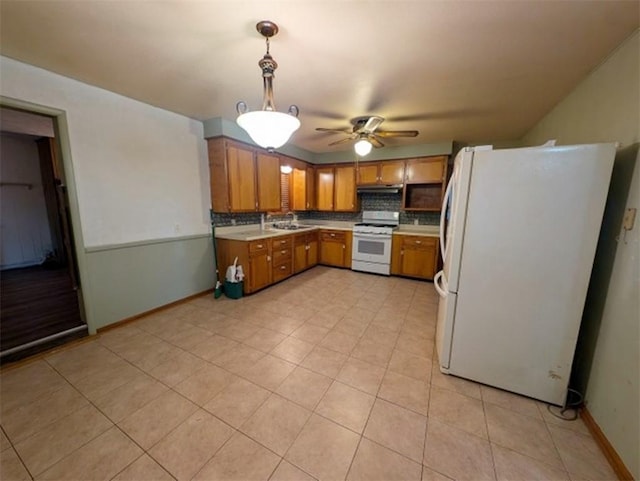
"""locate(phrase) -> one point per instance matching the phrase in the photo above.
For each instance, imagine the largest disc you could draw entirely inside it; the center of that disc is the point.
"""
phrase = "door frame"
(61, 129)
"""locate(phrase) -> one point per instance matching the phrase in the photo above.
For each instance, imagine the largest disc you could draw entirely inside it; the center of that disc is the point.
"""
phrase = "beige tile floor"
(329, 375)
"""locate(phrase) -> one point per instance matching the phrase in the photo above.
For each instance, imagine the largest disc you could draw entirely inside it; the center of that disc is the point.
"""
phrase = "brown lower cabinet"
(335, 248)
(305, 251)
(270, 260)
(263, 261)
(282, 257)
(414, 256)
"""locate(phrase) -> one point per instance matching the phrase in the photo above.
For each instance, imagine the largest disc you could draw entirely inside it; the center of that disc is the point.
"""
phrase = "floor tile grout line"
(492, 443)
(12, 447)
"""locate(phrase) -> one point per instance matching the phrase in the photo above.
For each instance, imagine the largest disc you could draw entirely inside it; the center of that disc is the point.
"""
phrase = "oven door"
(374, 248)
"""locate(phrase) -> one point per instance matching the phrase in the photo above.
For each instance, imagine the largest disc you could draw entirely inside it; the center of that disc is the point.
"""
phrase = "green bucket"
(233, 290)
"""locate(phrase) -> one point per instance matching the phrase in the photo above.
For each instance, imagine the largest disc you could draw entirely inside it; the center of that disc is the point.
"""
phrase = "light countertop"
(251, 232)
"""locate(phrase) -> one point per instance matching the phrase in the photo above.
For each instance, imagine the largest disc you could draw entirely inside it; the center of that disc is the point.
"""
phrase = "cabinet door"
(300, 253)
(324, 186)
(345, 188)
(332, 253)
(242, 179)
(396, 256)
(426, 170)
(392, 172)
(367, 174)
(417, 263)
(312, 250)
(299, 189)
(268, 167)
(311, 189)
(259, 271)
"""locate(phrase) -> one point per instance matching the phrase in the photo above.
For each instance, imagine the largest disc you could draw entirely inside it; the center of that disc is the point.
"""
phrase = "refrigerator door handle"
(443, 215)
(442, 289)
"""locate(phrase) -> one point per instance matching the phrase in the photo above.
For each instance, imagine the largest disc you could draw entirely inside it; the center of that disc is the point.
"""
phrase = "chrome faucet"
(293, 216)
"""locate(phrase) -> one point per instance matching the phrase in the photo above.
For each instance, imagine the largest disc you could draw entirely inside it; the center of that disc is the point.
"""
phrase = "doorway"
(40, 296)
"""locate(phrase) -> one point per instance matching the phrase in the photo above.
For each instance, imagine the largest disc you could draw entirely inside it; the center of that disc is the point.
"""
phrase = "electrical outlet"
(233, 222)
(415, 221)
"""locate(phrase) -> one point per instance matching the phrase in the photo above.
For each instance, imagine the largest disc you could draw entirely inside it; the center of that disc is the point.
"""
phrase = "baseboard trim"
(608, 450)
(152, 311)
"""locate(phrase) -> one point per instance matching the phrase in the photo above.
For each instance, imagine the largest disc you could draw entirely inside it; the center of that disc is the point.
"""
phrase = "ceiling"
(470, 71)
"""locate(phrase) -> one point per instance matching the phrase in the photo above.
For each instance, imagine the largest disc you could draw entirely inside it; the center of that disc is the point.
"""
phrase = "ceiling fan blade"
(397, 133)
(348, 139)
(372, 124)
(345, 130)
(375, 141)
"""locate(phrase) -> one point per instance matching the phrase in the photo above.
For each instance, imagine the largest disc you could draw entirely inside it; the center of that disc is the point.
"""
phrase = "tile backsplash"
(387, 202)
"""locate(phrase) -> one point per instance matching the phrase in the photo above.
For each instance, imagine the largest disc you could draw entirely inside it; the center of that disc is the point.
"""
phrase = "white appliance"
(522, 230)
(371, 251)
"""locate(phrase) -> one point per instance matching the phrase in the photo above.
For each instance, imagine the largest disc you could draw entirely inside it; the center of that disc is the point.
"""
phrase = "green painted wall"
(605, 107)
(130, 279)
(218, 126)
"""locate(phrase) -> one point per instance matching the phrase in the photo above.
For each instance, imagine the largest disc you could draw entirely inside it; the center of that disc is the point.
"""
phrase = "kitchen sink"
(286, 226)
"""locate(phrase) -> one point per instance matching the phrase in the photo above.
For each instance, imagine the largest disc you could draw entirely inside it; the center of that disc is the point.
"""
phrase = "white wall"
(606, 107)
(141, 172)
(25, 237)
(137, 176)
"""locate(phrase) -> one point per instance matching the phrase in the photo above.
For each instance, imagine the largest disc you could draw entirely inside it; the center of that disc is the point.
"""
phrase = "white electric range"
(372, 242)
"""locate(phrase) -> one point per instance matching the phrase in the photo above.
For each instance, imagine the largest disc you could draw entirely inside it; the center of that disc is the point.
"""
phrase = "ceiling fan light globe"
(362, 147)
(268, 128)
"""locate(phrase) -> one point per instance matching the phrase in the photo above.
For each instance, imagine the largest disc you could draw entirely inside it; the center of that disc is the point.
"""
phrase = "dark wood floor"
(36, 302)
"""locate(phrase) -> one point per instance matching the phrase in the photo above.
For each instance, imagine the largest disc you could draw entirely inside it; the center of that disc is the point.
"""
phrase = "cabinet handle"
(344, 246)
(306, 247)
(418, 242)
(332, 235)
(283, 252)
(283, 268)
(268, 258)
(402, 252)
(283, 242)
(259, 246)
(256, 205)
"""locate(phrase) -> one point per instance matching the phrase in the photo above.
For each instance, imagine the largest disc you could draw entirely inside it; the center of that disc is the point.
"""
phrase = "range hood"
(380, 189)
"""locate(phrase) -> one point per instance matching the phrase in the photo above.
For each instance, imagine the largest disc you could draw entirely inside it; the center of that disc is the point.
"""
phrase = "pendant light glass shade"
(362, 147)
(267, 128)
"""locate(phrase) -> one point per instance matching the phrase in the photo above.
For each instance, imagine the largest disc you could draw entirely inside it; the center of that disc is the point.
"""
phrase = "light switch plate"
(629, 219)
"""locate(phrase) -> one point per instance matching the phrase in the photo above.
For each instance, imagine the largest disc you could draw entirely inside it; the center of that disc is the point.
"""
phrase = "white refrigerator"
(521, 232)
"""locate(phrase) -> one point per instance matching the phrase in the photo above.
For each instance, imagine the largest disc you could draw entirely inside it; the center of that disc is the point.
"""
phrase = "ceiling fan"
(365, 132)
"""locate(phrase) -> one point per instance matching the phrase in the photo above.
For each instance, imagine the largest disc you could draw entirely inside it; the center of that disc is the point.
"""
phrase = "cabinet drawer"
(280, 255)
(332, 236)
(281, 243)
(281, 271)
(258, 247)
(419, 242)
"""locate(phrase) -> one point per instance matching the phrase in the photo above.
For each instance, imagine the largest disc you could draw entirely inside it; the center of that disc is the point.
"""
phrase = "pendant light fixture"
(268, 128)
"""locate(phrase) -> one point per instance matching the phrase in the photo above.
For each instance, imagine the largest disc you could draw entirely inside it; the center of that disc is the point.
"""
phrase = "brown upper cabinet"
(426, 169)
(242, 178)
(336, 188)
(388, 172)
(303, 192)
(311, 188)
(346, 199)
(298, 198)
(324, 188)
(424, 183)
